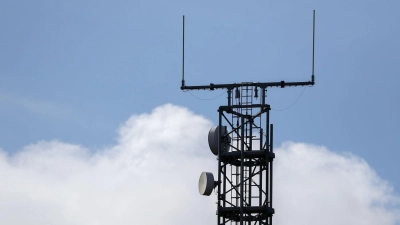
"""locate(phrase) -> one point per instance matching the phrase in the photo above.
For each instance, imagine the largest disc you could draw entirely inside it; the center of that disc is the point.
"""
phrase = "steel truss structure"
(245, 168)
(245, 172)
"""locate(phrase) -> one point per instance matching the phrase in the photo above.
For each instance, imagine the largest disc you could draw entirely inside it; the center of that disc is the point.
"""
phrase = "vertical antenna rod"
(183, 51)
(313, 42)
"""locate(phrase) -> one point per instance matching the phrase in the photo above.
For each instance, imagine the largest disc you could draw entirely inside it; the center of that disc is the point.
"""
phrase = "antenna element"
(183, 51)
(313, 42)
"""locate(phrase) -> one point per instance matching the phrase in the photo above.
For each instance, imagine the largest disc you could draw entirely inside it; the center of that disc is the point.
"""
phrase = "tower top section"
(261, 85)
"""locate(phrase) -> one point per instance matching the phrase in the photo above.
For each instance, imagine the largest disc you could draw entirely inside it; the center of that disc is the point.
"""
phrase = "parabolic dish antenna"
(206, 183)
(213, 139)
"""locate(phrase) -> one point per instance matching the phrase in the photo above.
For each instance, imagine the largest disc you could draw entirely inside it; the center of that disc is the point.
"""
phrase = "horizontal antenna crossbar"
(281, 84)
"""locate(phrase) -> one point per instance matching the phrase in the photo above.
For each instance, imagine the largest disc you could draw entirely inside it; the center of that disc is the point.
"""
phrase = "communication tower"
(243, 144)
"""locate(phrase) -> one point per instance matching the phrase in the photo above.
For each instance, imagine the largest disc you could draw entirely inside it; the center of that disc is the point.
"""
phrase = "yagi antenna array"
(212, 86)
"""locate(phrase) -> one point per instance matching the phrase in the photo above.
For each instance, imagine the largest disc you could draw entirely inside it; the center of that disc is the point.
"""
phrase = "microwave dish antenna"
(224, 139)
(206, 183)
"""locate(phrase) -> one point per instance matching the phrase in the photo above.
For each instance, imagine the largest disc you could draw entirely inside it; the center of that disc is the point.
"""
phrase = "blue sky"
(75, 71)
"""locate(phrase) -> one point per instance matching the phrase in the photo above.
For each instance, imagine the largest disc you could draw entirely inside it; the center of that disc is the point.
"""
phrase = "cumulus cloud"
(317, 186)
(150, 177)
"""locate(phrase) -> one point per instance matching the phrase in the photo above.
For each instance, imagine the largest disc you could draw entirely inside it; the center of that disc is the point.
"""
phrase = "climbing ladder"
(243, 97)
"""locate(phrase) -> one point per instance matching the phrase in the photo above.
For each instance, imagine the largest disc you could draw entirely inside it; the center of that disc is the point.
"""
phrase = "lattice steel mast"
(244, 145)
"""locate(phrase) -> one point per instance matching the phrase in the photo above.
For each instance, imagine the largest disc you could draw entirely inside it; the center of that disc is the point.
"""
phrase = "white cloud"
(150, 177)
(317, 186)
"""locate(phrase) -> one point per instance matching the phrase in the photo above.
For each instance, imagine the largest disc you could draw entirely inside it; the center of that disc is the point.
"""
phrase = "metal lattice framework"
(245, 172)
